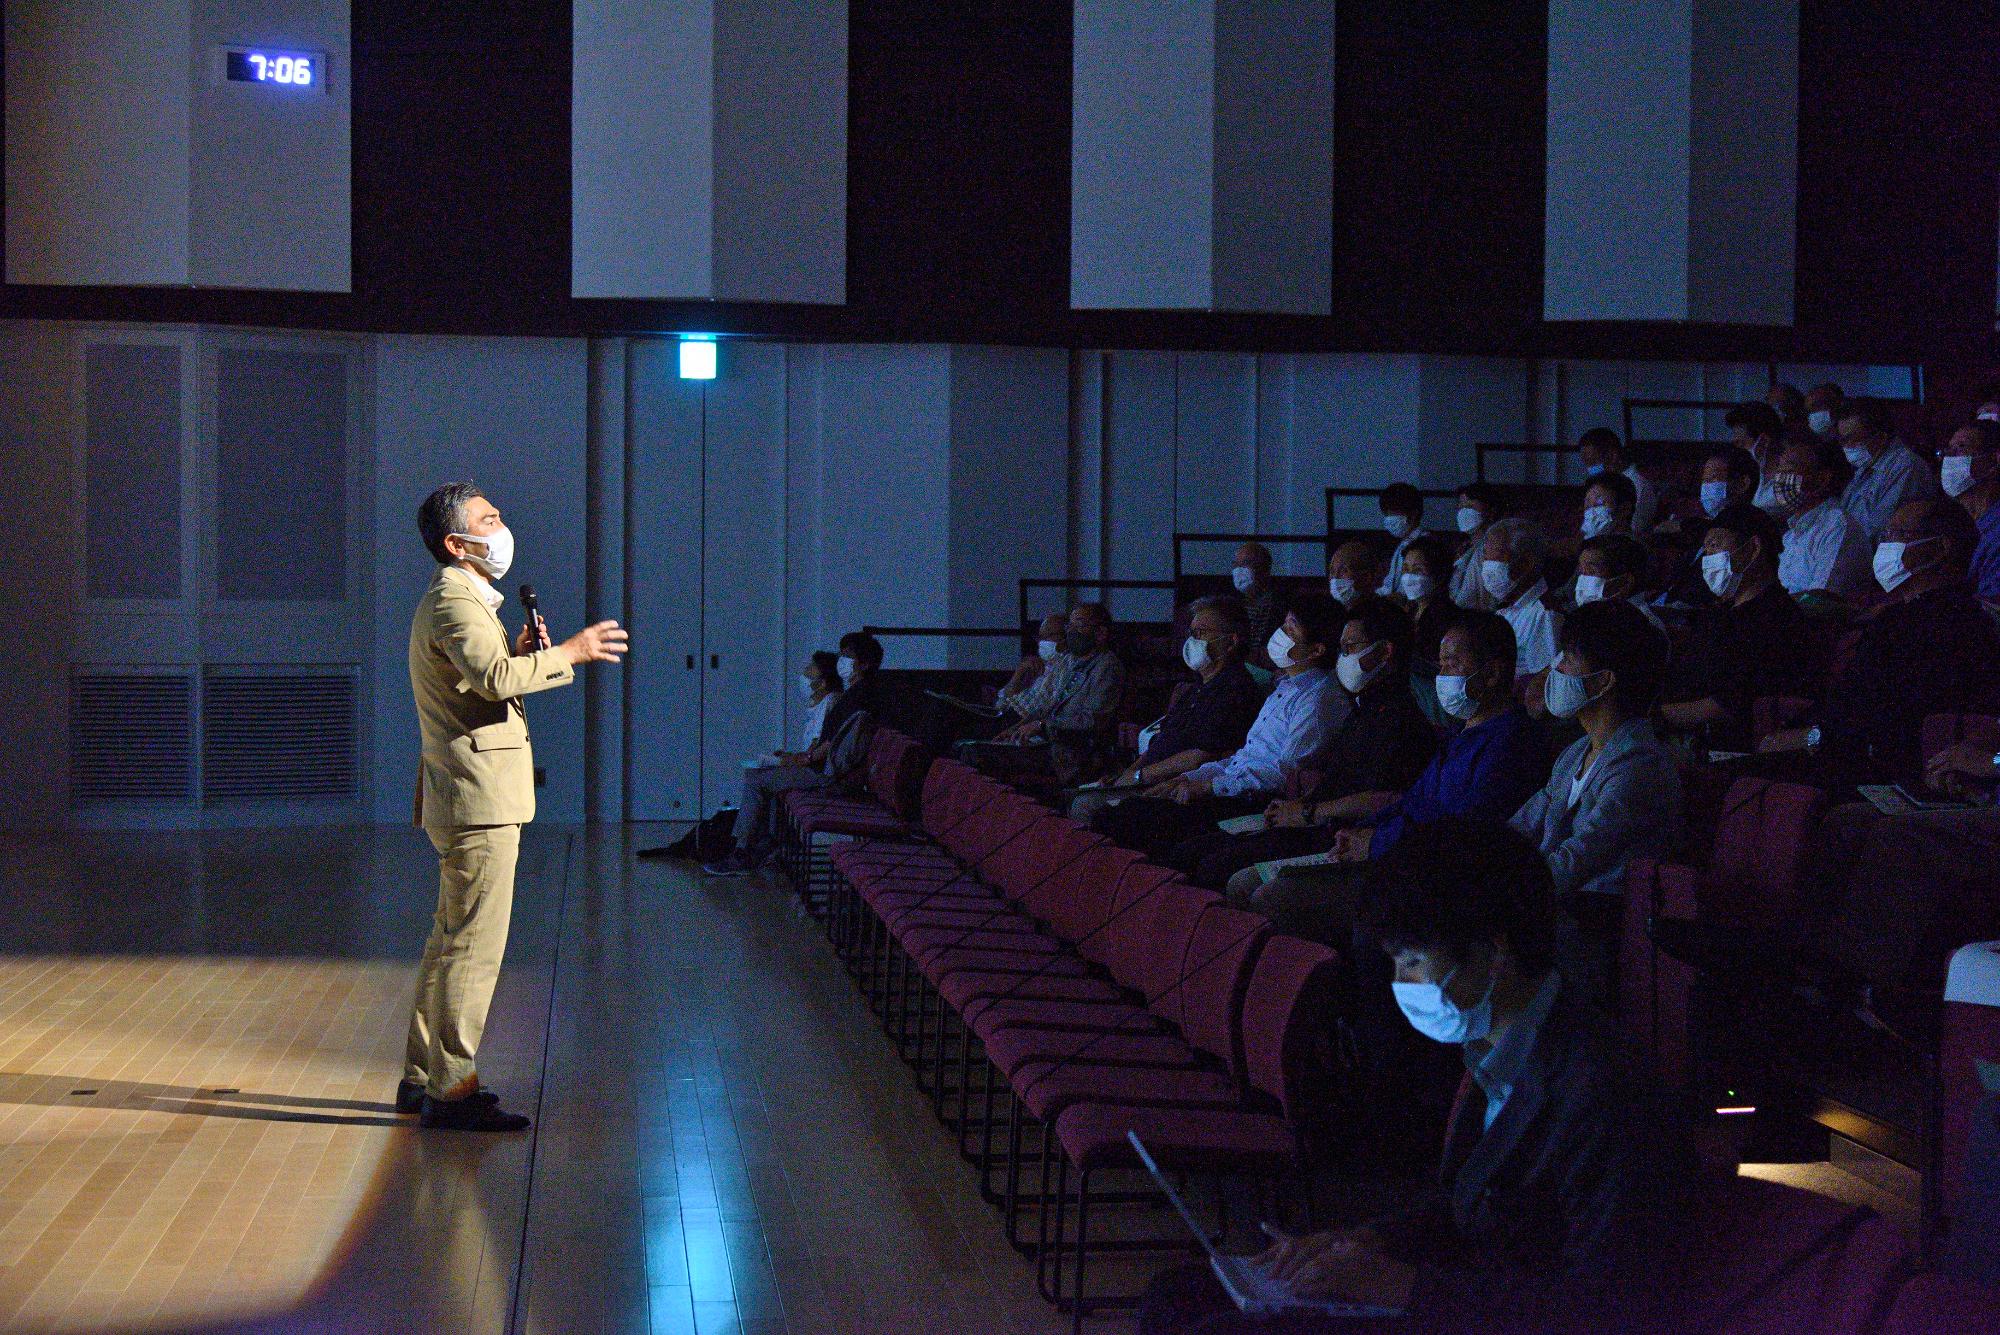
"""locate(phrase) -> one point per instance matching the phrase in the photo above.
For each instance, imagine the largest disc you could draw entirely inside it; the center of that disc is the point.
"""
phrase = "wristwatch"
(1812, 736)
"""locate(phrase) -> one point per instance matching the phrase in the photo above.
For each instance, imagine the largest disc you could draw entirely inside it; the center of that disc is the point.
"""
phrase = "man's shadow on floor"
(201, 1100)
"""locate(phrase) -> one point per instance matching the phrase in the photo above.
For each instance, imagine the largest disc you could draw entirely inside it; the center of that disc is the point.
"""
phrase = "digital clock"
(296, 71)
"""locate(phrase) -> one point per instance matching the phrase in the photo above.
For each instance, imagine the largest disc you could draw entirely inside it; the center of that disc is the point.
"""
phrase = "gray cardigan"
(1630, 806)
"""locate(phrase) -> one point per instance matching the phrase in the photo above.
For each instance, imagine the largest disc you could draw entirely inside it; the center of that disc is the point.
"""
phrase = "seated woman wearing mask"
(1566, 1174)
(1614, 794)
(1424, 586)
(1479, 508)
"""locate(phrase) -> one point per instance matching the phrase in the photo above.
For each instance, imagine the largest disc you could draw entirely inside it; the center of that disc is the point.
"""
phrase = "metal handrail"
(1085, 582)
(1267, 538)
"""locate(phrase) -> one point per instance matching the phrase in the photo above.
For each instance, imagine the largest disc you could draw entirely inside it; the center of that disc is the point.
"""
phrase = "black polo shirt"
(1382, 748)
(1935, 654)
(1212, 716)
(1762, 647)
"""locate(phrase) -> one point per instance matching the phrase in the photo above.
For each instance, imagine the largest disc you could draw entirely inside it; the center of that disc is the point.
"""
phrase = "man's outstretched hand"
(604, 642)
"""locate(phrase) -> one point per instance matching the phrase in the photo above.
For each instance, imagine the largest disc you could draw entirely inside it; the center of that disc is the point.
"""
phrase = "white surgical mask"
(1342, 589)
(1454, 699)
(1431, 1011)
(1280, 648)
(1194, 653)
(1987, 413)
(848, 669)
(499, 552)
(1414, 587)
(1820, 420)
(1468, 518)
(1589, 589)
(1048, 649)
(1567, 696)
(805, 686)
(1397, 526)
(1596, 520)
(1242, 577)
(1857, 455)
(1593, 470)
(1721, 575)
(1955, 474)
(1714, 495)
(1352, 675)
(1496, 577)
(1892, 566)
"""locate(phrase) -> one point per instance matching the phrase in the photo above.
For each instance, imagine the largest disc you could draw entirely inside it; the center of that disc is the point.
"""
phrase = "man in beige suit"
(475, 789)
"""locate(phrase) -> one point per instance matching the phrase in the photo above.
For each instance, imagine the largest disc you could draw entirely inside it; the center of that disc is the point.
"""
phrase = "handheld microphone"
(534, 611)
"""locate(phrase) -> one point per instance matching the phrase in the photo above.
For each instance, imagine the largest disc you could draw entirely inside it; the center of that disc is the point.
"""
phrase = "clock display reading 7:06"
(286, 69)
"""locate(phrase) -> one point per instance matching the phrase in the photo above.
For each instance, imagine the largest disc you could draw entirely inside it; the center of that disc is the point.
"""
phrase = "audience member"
(1603, 452)
(1613, 568)
(1206, 721)
(1822, 403)
(1609, 500)
(1371, 758)
(1565, 1173)
(1305, 707)
(1825, 550)
(1479, 508)
(838, 752)
(1732, 475)
(1251, 574)
(1403, 520)
(1066, 730)
(819, 683)
(1887, 472)
(1495, 762)
(1789, 403)
(1753, 641)
(1355, 570)
(1757, 430)
(1970, 474)
(1614, 794)
(1931, 650)
(1511, 574)
(1034, 668)
(1423, 587)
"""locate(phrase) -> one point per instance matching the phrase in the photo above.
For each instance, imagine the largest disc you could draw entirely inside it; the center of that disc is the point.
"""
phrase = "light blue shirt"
(1888, 480)
(1498, 1070)
(1294, 725)
(1825, 548)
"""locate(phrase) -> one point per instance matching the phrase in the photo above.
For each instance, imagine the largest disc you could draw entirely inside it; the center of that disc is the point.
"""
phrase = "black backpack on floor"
(709, 840)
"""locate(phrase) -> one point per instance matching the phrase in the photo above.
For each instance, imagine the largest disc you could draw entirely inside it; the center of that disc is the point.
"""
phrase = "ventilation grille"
(277, 735)
(131, 738)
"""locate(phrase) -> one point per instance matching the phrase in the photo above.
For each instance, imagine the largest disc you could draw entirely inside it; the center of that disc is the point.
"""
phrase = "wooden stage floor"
(200, 1036)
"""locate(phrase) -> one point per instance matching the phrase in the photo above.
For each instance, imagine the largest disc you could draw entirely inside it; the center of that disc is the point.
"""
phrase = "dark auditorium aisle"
(724, 1142)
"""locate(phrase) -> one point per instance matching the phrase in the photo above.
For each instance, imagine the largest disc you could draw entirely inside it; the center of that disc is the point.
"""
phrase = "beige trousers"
(462, 957)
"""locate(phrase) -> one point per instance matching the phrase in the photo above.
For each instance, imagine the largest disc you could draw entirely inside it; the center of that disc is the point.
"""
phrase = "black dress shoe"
(470, 1114)
(410, 1096)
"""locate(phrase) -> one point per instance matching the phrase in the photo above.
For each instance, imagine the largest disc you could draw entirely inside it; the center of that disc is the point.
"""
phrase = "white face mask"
(1415, 588)
(1242, 577)
(1468, 518)
(1857, 455)
(1431, 1011)
(1397, 526)
(1721, 575)
(1589, 589)
(1955, 474)
(499, 552)
(1820, 420)
(805, 686)
(1048, 649)
(848, 669)
(1454, 699)
(1593, 470)
(1194, 653)
(1714, 495)
(1567, 696)
(1496, 577)
(1596, 520)
(1892, 565)
(1987, 413)
(1280, 649)
(1342, 589)
(1352, 675)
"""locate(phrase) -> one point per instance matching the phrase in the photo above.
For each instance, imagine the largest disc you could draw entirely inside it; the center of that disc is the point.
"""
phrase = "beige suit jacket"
(478, 767)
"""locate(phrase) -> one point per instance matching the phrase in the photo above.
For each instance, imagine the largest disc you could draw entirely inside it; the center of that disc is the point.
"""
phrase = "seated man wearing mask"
(1402, 519)
(1602, 453)
(1614, 795)
(1932, 650)
(1495, 762)
(1608, 501)
(1250, 574)
(1374, 755)
(1355, 570)
(1037, 676)
(1076, 716)
(1479, 508)
(1566, 1175)
(1825, 550)
(1511, 574)
(1759, 433)
(1969, 472)
(1204, 723)
(1887, 473)
(1305, 708)
(1752, 642)
(1613, 568)
(1729, 476)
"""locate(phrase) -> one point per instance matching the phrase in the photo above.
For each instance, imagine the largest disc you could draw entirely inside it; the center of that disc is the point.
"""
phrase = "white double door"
(705, 550)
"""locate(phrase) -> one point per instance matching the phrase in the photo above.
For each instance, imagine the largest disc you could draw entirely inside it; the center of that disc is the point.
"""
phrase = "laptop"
(1248, 1285)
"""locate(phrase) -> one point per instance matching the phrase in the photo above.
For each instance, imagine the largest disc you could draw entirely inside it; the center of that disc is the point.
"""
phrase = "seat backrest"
(1078, 902)
(952, 792)
(1761, 838)
(897, 781)
(992, 825)
(1136, 888)
(1943, 731)
(1655, 991)
(1288, 1009)
(1152, 949)
(1043, 852)
(1216, 971)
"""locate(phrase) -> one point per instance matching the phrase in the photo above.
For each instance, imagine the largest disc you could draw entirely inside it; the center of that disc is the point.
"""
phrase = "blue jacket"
(1484, 772)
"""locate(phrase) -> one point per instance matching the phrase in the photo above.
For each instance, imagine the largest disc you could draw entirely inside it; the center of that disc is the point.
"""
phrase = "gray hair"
(1235, 618)
(1523, 538)
(442, 513)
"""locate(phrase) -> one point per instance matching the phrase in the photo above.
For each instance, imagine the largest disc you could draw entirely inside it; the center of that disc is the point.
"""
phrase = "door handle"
(690, 666)
(715, 660)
